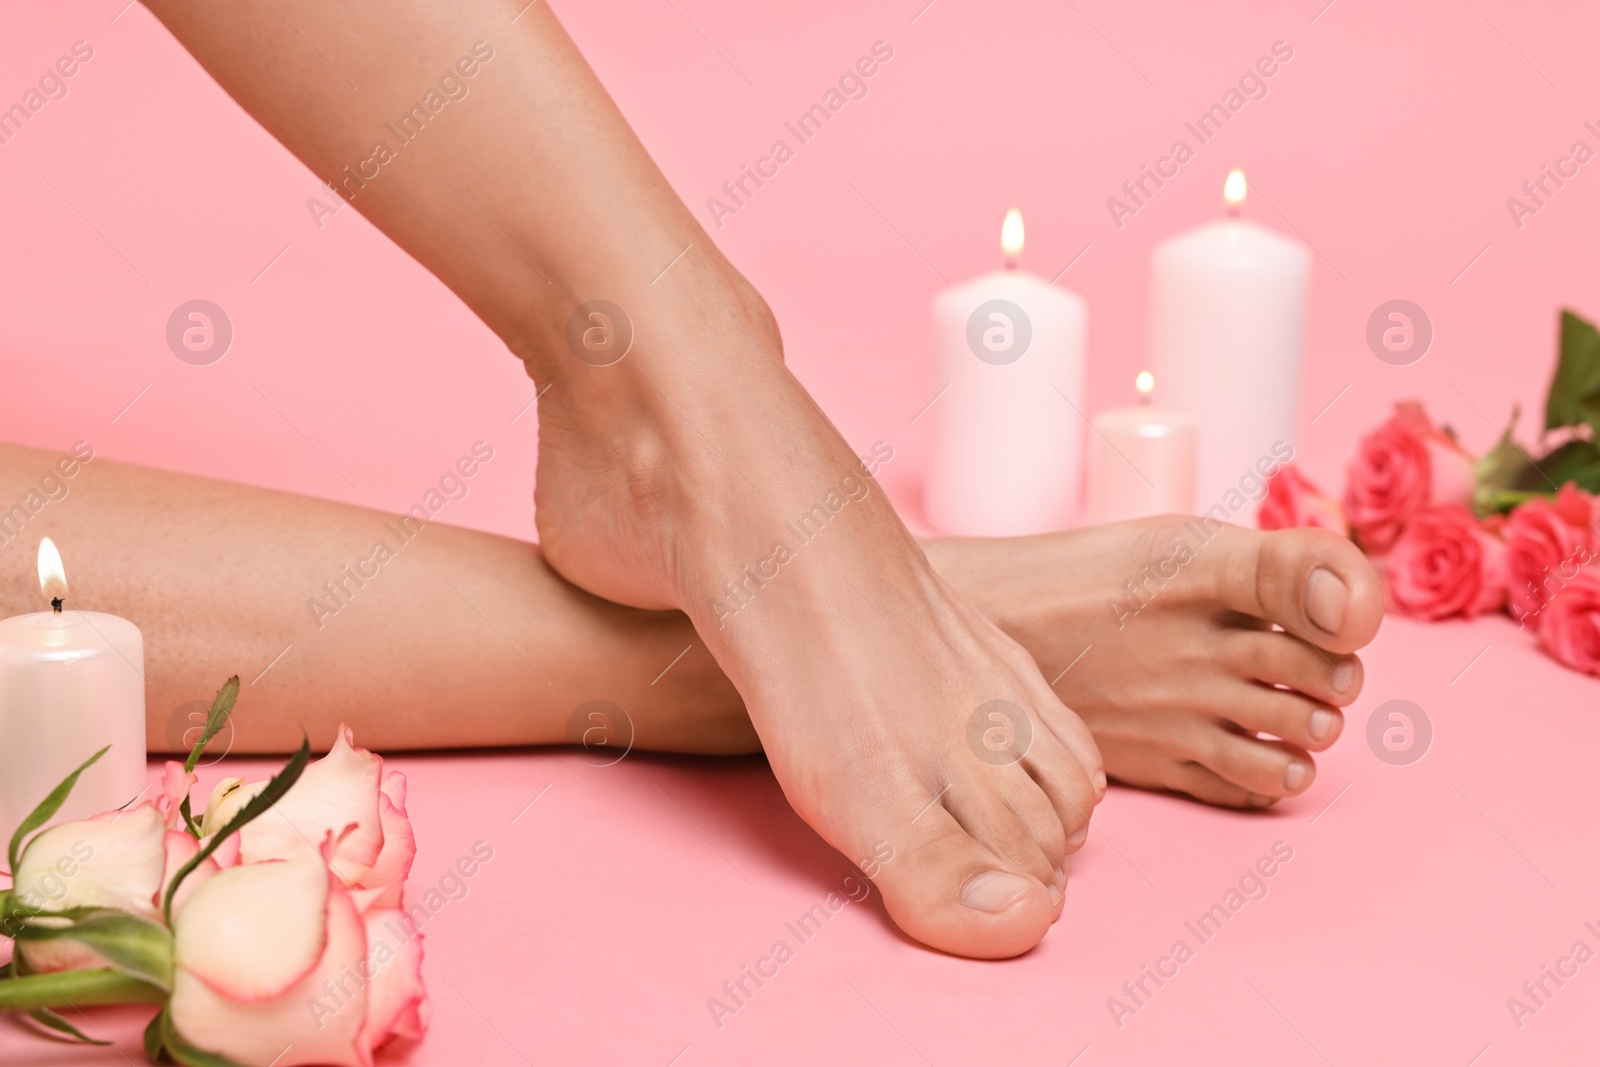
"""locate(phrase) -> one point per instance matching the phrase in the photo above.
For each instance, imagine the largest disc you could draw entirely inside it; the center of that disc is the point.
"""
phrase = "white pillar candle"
(1142, 461)
(71, 682)
(1227, 326)
(1008, 427)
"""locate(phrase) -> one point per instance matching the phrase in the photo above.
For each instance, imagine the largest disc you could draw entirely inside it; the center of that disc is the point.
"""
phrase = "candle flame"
(52, 575)
(1011, 234)
(1234, 188)
(1144, 382)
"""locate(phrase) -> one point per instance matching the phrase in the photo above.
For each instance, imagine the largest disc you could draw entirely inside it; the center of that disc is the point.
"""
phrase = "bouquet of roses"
(1458, 535)
(263, 929)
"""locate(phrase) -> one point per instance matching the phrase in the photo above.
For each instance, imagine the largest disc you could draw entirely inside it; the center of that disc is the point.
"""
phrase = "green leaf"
(48, 807)
(1508, 477)
(279, 785)
(46, 1017)
(216, 719)
(67, 989)
(1576, 461)
(186, 1053)
(136, 947)
(153, 1045)
(1575, 390)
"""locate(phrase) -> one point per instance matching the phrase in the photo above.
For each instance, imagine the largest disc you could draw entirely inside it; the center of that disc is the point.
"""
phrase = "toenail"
(1256, 800)
(1322, 723)
(1343, 678)
(1099, 784)
(1077, 839)
(1055, 895)
(1325, 599)
(995, 891)
(1296, 776)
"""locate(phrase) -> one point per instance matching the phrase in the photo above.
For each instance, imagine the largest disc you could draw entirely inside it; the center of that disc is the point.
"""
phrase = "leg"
(221, 576)
(462, 639)
(665, 477)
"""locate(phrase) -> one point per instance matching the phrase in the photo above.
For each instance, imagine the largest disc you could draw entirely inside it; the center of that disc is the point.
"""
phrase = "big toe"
(1315, 584)
(951, 893)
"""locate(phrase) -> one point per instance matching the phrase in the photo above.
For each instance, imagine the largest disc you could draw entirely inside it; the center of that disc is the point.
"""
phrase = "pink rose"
(1294, 502)
(1403, 465)
(1570, 629)
(345, 793)
(121, 860)
(275, 964)
(1547, 541)
(1444, 564)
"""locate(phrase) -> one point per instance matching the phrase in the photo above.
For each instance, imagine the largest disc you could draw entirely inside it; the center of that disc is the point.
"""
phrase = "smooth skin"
(662, 476)
(222, 577)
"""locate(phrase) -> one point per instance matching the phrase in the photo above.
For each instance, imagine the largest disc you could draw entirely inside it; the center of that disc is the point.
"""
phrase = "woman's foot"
(1159, 635)
(910, 732)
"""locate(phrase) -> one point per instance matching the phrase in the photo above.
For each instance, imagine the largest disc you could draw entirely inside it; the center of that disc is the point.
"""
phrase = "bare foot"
(696, 473)
(1159, 634)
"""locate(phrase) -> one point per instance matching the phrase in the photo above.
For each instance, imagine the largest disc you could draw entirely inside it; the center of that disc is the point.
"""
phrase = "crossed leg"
(471, 640)
(663, 475)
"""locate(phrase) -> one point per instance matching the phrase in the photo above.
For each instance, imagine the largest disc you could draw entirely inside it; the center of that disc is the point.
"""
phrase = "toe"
(1301, 721)
(1066, 790)
(1207, 785)
(1268, 768)
(1278, 658)
(1315, 584)
(1004, 810)
(1068, 729)
(950, 892)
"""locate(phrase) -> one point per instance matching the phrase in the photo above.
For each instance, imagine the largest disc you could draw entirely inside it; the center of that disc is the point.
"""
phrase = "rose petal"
(316, 1020)
(175, 786)
(105, 862)
(227, 797)
(181, 848)
(114, 860)
(397, 1004)
(337, 793)
(399, 843)
(251, 932)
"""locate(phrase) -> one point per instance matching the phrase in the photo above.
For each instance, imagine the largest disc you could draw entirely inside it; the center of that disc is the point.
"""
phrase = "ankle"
(569, 328)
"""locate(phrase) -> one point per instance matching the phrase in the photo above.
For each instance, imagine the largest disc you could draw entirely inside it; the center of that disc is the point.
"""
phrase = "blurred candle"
(1008, 428)
(71, 682)
(1142, 461)
(1227, 326)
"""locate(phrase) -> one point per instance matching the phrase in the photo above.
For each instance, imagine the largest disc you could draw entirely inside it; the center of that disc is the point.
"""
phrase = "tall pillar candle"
(1008, 424)
(1227, 329)
(71, 682)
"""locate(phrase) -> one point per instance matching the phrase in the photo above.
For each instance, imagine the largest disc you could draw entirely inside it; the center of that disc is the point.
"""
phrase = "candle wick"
(1011, 263)
(1233, 211)
(55, 602)
(1144, 400)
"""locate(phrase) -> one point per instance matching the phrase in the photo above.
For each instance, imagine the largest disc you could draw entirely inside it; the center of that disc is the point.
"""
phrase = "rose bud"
(121, 860)
(1547, 542)
(1294, 502)
(1444, 564)
(1570, 623)
(346, 794)
(1403, 465)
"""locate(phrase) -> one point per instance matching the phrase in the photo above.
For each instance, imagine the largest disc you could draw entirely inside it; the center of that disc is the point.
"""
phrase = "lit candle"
(1227, 325)
(1008, 428)
(71, 682)
(1142, 461)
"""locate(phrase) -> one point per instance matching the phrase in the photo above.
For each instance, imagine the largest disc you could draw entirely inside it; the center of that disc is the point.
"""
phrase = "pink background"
(1390, 142)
